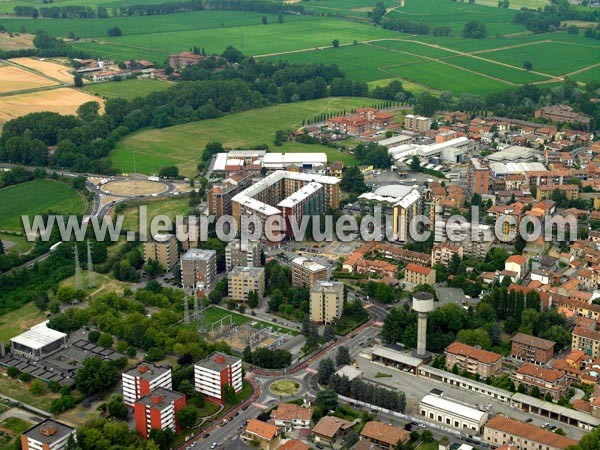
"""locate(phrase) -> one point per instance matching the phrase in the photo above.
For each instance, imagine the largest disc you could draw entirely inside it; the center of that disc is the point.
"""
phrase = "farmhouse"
(184, 59)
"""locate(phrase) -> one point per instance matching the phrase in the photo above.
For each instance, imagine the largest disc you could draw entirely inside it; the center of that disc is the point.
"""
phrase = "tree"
(474, 30)
(335, 43)
(117, 408)
(263, 20)
(573, 29)
(353, 180)
(169, 172)
(186, 387)
(327, 400)
(326, 369)
(106, 340)
(96, 376)
(155, 354)
(37, 387)
(415, 164)
(342, 357)
(78, 80)
(528, 66)
(253, 299)
(427, 436)
(535, 392)
(187, 417)
(229, 395)
(114, 32)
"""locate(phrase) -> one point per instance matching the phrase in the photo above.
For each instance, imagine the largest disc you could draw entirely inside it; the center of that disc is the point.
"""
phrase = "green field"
(553, 58)
(216, 313)
(182, 145)
(8, 5)
(36, 197)
(415, 47)
(19, 243)
(169, 207)
(495, 70)
(19, 321)
(359, 62)
(128, 89)
(588, 75)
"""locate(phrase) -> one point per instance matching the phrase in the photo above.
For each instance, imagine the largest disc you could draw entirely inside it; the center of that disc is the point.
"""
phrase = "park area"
(182, 145)
(36, 197)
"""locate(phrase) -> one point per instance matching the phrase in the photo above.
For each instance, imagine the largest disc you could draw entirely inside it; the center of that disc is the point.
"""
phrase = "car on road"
(319, 446)
(235, 414)
(214, 445)
(205, 435)
(553, 427)
(529, 419)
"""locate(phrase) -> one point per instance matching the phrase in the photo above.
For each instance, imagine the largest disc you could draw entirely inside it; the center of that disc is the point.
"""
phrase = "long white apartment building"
(143, 379)
(212, 373)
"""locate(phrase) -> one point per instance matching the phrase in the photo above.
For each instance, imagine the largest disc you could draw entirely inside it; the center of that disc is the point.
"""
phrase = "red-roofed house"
(548, 381)
(517, 264)
(265, 434)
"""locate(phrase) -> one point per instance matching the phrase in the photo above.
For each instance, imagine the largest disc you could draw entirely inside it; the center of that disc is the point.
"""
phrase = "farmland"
(14, 78)
(495, 70)
(36, 197)
(127, 89)
(182, 145)
(63, 101)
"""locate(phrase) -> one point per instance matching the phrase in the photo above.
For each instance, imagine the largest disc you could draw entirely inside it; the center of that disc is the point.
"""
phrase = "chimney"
(219, 359)
(143, 369)
(48, 431)
(156, 400)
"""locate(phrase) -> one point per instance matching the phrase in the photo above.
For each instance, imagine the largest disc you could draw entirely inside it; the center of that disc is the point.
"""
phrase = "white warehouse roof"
(284, 159)
(453, 407)
(38, 336)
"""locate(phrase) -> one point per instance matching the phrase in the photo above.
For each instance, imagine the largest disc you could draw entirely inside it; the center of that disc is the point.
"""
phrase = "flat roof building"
(242, 280)
(244, 254)
(47, 435)
(212, 373)
(162, 248)
(143, 379)
(306, 272)
(198, 269)
(158, 410)
(38, 342)
(326, 301)
(452, 414)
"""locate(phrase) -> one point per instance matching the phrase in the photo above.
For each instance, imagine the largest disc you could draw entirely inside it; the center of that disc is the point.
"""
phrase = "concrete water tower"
(422, 304)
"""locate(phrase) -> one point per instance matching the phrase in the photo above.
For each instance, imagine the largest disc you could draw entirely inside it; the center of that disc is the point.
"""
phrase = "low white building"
(452, 414)
(38, 342)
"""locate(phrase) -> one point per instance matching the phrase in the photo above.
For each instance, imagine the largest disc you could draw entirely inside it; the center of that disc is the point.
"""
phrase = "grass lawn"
(408, 85)
(552, 58)
(103, 284)
(182, 145)
(19, 320)
(495, 70)
(127, 89)
(169, 207)
(20, 391)
(284, 387)
(36, 197)
(10, 430)
(447, 78)
(428, 446)
(20, 243)
(208, 409)
(215, 313)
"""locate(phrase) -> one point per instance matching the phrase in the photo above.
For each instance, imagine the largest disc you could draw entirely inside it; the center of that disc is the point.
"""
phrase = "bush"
(93, 336)
(37, 387)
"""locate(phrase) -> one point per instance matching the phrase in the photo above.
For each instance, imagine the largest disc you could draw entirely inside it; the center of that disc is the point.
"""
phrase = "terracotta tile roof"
(533, 341)
(262, 429)
(548, 375)
(290, 411)
(517, 259)
(329, 426)
(530, 432)
(294, 444)
(418, 268)
(582, 405)
(383, 432)
(483, 356)
(587, 333)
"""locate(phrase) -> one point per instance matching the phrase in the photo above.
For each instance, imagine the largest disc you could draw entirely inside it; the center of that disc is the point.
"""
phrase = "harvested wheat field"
(16, 79)
(16, 42)
(62, 100)
(49, 68)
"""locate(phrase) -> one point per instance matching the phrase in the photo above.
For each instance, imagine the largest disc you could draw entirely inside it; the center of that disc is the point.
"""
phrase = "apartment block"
(326, 301)
(417, 123)
(143, 379)
(242, 254)
(163, 249)
(220, 196)
(415, 274)
(242, 280)
(214, 372)
(198, 269)
(443, 253)
(586, 340)
(501, 430)
(158, 410)
(473, 360)
(305, 272)
(47, 435)
(478, 176)
(532, 349)
(571, 191)
(548, 381)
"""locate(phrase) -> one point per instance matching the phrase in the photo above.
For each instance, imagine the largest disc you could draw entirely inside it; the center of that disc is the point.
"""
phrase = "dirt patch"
(48, 68)
(139, 187)
(62, 101)
(363, 9)
(16, 79)
(16, 42)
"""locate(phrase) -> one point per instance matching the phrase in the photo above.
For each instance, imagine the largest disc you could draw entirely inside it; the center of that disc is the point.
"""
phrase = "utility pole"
(186, 311)
(78, 282)
(90, 266)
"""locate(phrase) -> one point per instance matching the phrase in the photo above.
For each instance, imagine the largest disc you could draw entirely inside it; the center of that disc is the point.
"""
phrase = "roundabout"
(285, 387)
(134, 187)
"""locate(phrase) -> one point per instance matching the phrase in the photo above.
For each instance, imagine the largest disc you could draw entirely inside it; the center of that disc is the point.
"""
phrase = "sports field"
(36, 197)
(182, 145)
(63, 101)
(128, 89)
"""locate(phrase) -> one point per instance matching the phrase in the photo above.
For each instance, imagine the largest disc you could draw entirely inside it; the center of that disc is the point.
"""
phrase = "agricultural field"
(588, 75)
(415, 47)
(14, 79)
(359, 62)
(62, 100)
(16, 41)
(50, 69)
(513, 75)
(551, 58)
(36, 197)
(19, 321)
(127, 89)
(182, 145)
(8, 5)
(443, 77)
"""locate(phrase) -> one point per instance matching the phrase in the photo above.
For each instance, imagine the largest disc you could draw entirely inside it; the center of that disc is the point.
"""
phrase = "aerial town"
(351, 225)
